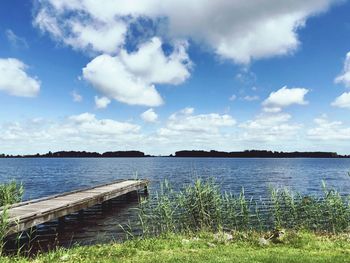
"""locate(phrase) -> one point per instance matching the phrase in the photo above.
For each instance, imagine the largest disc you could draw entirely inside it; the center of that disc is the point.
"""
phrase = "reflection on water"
(43, 177)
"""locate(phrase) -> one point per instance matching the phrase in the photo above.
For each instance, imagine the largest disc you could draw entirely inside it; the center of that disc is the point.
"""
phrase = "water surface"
(43, 176)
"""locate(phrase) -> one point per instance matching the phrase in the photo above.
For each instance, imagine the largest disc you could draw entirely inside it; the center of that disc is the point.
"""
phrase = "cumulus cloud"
(14, 79)
(285, 97)
(328, 130)
(235, 30)
(185, 121)
(343, 101)
(78, 132)
(182, 130)
(90, 125)
(149, 116)
(186, 130)
(89, 34)
(131, 77)
(82, 118)
(269, 127)
(344, 77)
(187, 111)
(102, 102)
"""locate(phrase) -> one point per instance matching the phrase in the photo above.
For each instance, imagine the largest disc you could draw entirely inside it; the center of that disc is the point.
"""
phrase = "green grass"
(206, 247)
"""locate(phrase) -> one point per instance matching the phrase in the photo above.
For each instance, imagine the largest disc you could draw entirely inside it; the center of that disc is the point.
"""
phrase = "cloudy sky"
(165, 75)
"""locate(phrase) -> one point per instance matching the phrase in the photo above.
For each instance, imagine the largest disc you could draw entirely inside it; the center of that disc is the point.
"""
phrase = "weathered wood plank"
(28, 214)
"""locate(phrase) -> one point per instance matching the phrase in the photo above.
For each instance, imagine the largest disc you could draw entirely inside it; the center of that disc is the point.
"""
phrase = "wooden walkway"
(31, 213)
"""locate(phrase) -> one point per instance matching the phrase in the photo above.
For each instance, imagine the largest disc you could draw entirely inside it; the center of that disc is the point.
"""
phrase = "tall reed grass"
(202, 206)
(10, 193)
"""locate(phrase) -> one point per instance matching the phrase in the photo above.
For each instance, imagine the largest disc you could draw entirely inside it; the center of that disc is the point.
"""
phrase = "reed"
(10, 193)
(202, 206)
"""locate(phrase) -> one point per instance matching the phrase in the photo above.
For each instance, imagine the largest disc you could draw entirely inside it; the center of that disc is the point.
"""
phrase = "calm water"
(42, 177)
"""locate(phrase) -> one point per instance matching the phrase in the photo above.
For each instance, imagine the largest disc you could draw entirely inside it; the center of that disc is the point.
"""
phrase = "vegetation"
(202, 224)
(258, 154)
(10, 193)
(79, 154)
(202, 206)
(205, 247)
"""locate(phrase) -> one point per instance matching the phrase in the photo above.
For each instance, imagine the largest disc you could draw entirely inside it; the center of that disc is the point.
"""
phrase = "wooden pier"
(22, 216)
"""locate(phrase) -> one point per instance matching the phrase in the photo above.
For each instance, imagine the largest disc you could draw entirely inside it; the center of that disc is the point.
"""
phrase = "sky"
(161, 75)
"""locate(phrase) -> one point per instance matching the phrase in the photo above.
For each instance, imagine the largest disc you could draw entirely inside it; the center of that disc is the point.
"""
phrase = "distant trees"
(258, 154)
(79, 154)
(193, 153)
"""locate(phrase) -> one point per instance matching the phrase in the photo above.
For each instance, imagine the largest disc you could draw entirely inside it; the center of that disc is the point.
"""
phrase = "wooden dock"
(34, 212)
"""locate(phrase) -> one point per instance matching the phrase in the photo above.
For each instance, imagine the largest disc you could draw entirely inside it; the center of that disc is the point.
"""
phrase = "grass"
(202, 224)
(206, 247)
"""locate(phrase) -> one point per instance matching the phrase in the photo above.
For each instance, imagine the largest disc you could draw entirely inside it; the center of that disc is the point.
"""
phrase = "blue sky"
(77, 75)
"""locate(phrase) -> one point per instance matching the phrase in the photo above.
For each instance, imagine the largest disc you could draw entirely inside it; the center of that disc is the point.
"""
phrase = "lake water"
(43, 177)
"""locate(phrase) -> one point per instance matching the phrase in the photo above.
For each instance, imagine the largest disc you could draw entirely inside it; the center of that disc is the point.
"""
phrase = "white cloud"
(15, 81)
(251, 98)
(131, 78)
(79, 32)
(84, 117)
(16, 41)
(328, 130)
(285, 97)
(151, 64)
(272, 109)
(182, 130)
(184, 121)
(269, 127)
(102, 102)
(236, 30)
(149, 116)
(187, 111)
(76, 96)
(97, 37)
(78, 132)
(343, 101)
(344, 77)
(89, 125)
(186, 130)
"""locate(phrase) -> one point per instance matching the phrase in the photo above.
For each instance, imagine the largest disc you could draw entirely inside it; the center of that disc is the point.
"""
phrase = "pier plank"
(30, 213)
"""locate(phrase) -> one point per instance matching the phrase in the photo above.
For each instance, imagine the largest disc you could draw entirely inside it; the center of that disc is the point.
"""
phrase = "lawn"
(206, 247)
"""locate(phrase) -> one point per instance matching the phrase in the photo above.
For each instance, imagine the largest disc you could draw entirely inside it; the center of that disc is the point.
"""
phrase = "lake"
(42, 177)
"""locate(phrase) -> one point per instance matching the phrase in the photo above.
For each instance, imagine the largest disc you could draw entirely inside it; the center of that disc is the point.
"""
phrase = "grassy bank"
(199, 223)
(206, 247)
